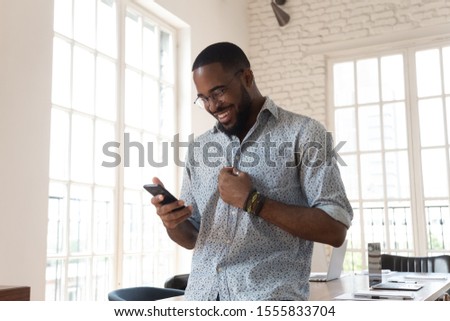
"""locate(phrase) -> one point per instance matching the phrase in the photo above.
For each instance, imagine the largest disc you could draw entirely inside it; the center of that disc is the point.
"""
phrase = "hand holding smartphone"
(156, 189)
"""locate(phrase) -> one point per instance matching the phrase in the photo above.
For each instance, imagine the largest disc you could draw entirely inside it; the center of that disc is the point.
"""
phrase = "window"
(392, 110)
(113, 82)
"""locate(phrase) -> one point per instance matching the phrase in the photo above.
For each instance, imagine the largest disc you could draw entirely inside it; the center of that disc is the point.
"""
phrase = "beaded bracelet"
(254, 202)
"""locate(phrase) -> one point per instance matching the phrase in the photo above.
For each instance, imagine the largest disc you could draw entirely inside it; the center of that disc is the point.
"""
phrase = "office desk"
(14, 293)
(326, 291)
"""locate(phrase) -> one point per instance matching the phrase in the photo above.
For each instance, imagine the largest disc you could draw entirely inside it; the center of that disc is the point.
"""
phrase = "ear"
(248, 77)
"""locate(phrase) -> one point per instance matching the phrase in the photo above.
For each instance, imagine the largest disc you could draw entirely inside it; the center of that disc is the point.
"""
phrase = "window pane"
(166, 59)
(83, 80)
(374, 223)
(132, 221)
(134, 158)
(106, 93)
(133, 99)
(400, 225)
(369, 128)
(82, 149)
(371, 176)
(103, 228)
(431, 118)
(54, 280)
(446, 59)
(344, 84)
(62, 18)
(59, 147)
(150, 105)
(150, 49)
(105, 134)
(397, 175)
(106, 27)
(102, 277)
(57, 214)
(62, 60)
(167, 111)
(392, 78)
(78, 279)
(345, 128)
(434, 171)
(131, 271)
(428, 69)
(438, 223)
(84, 22)
(394, 126)
(349, 175)
(80, 218)
(367, 81)
(133, 41)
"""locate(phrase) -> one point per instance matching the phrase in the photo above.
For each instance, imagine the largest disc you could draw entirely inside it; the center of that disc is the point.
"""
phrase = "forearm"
(307, 223)
(184, 234)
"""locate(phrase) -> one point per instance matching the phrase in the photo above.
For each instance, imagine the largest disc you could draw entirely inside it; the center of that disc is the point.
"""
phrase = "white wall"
(25, 87)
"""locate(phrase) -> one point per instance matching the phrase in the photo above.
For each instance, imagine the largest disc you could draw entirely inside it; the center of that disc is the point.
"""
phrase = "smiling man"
(252, 220)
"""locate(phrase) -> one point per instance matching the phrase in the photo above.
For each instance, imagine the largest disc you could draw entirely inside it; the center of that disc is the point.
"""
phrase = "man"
(261, 187)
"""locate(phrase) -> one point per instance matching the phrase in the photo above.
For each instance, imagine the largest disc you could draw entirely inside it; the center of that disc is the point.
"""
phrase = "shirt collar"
(268, 105)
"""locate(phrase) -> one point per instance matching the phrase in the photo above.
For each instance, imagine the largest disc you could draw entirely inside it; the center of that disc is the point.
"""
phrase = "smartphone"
(156, 189)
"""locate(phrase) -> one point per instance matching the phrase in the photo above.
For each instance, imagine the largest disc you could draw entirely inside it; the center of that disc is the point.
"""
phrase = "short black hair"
(228, 54)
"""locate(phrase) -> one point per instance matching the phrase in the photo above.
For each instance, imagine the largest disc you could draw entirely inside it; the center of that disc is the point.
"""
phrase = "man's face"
(225, 95)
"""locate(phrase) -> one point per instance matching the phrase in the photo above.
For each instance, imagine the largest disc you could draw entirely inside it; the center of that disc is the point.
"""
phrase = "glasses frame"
(216, 94)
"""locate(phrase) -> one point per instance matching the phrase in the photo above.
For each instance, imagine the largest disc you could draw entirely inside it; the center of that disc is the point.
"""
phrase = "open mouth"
(224, 116)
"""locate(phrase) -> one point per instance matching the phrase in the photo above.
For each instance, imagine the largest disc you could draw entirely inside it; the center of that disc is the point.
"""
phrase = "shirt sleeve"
(320, 176)
(187, 195)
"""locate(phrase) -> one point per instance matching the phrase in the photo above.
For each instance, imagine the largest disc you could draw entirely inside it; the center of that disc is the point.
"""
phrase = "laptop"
(335, 265)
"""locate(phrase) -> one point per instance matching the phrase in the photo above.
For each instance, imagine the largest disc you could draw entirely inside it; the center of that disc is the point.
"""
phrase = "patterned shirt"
(239, 256)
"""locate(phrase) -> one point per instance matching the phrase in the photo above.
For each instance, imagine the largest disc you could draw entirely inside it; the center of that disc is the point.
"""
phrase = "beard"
(242, 116)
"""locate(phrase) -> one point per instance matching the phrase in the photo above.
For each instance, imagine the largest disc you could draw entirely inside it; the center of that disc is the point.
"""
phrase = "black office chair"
(143, 293)
(177, 282)
(437, 264)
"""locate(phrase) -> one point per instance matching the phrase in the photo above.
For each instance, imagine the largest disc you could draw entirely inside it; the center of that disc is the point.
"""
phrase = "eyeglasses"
(216, 94)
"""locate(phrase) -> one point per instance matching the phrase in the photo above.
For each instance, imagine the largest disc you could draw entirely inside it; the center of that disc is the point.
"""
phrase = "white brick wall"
(296, 80)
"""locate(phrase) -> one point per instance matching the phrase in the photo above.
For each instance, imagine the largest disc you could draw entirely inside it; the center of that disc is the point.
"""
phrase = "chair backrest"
(142, 293)
(177, 282)
(438, 264)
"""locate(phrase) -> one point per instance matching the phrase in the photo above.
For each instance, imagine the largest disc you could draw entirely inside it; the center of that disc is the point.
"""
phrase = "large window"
(393, 111)
(113, 105)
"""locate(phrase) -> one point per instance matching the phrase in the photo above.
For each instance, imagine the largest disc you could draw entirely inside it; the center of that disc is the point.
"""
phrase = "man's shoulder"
(295, 119)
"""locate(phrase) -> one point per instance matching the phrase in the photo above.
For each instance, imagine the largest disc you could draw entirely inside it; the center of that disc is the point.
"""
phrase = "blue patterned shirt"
(239, 256)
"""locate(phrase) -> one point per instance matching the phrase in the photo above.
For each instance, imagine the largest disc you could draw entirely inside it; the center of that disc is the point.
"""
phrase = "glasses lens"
(201, 102)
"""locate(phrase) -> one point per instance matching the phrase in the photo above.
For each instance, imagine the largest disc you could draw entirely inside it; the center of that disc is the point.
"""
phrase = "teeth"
(223, 115)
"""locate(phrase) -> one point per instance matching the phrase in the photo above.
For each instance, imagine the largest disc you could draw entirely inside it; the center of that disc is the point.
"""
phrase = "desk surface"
(326, 291)
(14, 293)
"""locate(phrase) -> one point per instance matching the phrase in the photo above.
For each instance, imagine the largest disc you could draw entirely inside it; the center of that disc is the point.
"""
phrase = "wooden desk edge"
(15, 293)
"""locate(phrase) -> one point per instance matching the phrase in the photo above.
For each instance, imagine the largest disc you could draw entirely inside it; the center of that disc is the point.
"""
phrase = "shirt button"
(218, 269)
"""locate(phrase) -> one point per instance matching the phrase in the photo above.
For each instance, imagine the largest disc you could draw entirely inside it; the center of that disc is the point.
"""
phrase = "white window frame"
(118, 250)
(410, 43)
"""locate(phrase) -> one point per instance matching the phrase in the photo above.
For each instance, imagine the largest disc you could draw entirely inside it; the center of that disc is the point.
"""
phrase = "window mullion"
(120, 128)
(413, 128)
